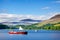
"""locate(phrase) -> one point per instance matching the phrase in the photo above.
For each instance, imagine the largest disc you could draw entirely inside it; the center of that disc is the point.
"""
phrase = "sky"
(15, 10)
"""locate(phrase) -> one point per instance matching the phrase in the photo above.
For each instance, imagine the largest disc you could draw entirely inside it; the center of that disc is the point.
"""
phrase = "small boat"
(20, 32)
(17, 32)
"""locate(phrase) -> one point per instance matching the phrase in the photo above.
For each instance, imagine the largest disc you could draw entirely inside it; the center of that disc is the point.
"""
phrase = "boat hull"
(17, 32)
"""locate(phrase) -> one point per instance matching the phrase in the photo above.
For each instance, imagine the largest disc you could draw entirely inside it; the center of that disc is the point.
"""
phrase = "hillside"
(54, 19)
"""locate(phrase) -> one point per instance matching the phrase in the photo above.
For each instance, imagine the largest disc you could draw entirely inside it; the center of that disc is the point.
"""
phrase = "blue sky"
(30, 7)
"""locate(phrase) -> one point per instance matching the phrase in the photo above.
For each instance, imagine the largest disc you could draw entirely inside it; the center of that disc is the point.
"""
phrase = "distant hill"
(23, 22)
(54, 19)
(31, 20)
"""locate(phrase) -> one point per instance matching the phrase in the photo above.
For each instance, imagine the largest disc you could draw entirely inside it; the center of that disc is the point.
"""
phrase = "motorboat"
(20, 32)
(17, 32)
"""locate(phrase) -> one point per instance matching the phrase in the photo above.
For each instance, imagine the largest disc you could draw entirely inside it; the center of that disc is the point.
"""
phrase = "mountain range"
(31, 20)
(53, 23)
(23, 22)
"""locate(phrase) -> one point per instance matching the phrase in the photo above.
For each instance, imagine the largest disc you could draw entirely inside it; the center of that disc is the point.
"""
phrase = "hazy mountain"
(23, 22)
(31, 20)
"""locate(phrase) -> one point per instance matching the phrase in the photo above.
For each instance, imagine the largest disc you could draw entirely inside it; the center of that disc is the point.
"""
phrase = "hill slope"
(52, 20)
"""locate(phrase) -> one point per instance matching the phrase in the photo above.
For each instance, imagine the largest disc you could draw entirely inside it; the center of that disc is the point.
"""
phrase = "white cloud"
(49, 15)
(56, 1)
(46, 8)
(5, 17)
(55, 13)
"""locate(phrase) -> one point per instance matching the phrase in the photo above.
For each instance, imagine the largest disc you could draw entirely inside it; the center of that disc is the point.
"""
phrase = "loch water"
(32, 35)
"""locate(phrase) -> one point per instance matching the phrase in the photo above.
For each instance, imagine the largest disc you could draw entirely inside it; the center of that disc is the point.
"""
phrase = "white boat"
(20, 28)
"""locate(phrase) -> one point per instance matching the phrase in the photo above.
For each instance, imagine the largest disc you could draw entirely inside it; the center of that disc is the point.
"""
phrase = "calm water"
(32, 35)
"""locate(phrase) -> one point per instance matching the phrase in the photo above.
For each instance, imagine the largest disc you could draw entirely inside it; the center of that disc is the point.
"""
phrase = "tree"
(2, 26)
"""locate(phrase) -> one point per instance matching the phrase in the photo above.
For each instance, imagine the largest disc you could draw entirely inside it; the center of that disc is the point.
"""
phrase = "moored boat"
(17, 32)
(20, 32)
